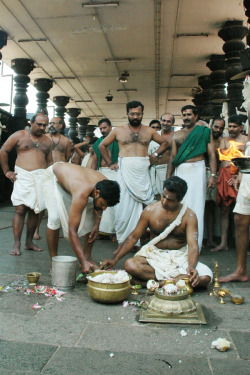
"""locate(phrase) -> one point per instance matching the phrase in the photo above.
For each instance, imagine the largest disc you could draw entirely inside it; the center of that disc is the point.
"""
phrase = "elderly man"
(173, 249)
(33, 157)
(187, 161)
(107, 224)
(76, 197)
(133, 172)
(159, 169)
(226, 193)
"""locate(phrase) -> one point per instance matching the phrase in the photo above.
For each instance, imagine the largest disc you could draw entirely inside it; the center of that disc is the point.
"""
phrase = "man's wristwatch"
(155, 154)
(213, 175)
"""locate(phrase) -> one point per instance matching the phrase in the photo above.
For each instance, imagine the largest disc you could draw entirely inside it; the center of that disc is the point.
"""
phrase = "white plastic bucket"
(64, 272)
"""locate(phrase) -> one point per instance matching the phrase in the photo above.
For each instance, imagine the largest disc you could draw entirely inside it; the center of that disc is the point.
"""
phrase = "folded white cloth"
(27, 189)
(136, 190)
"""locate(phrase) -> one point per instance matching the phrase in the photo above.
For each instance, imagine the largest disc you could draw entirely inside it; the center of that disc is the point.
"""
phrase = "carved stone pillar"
(207, 106)
(232, 32)
(90, 130)
(43, 85)
(3, 41)
(22, 68)
(82, 128)
(217, 66)
(73, 113)
(60, 102)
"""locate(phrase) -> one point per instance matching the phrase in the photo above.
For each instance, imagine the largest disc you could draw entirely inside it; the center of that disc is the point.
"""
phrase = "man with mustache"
(33, 157)
(226, 192)
(60, 152)
(159, 169)
(187, 161)
(107, 224)
(133, 167)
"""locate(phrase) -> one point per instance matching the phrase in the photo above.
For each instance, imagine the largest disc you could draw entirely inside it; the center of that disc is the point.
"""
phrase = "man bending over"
(173, 248)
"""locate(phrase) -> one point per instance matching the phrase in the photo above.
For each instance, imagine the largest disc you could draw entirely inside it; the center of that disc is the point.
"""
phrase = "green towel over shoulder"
(114, 150)
(195, 144)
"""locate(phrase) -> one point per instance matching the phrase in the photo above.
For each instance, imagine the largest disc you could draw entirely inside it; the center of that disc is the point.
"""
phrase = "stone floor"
(80, 336)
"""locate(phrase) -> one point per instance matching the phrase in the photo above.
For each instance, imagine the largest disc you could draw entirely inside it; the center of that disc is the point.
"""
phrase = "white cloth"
(195, 176)
(58, 203)
(136, 190)
(243, 198)
(85, 160)
(171, 263)
(27, 189)
(107, 224)
(158, 176)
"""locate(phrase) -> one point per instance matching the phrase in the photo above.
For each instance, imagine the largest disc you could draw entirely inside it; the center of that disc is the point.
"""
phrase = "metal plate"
(153, 316)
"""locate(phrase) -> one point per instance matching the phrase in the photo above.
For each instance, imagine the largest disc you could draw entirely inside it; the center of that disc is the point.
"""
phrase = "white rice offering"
(170, 289)
(181, 285)
(221, 344)
(110, 278)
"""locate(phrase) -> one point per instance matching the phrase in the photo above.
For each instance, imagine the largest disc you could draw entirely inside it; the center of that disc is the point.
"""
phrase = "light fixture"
(124, 77)
(118, 60)
(96, 116)
(32, 40)
(177, 100)
(109, 97)
(183, 75)
(192, 34)
(64, 78)
(101, 5)
(126, 90)
(83, 101)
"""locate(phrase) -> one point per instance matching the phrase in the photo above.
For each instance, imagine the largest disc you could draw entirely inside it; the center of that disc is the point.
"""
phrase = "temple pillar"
(232, 32)
(3, 41)
(73, 113)
(207, 105)
(43, 85)
(90, 130)
(60, 102)
(82, 128)
(22, 68)
(217, 66)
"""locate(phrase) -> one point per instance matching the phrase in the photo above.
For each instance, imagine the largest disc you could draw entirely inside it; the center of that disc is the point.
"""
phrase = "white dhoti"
(243, 198)
(85, 160)
(158, 176)
(107, 224)
(195, 176)
(136, 190)
(170, 263)
(58, 203)
(27, 189)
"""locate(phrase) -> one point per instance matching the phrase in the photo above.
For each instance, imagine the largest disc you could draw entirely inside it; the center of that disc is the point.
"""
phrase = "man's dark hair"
(134, 104)
(33, 118)
(104, 120)
(92, 141)
(176, 185)
(155, 122)
(61, 121)
(235, 119)
(219, 119)
(170, 114)
(189, 106)
(75, 140)
(110, 191)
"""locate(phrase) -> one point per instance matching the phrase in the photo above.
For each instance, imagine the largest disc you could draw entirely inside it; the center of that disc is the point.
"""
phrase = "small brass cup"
(237, 299)
(33, 277)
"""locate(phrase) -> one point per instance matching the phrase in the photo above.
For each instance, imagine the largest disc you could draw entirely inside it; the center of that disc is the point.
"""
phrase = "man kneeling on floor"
(75, 198)
(173, 248)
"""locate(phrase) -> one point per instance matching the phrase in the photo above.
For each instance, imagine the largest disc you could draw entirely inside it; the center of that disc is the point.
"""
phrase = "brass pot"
(172, 304)
(108, 293)
(33, 277)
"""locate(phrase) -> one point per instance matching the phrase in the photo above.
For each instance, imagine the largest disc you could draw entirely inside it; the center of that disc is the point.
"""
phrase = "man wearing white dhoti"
(133, 171)
(159, 169)
(173, 248)
(33, 156)
(107, 225)
(187, 161)
(75, 197)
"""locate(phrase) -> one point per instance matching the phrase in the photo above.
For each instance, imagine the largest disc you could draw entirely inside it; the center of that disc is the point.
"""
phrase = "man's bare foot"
(15, 251)
(233, 277)
(36, 236)
(33, 247)
(219, 248)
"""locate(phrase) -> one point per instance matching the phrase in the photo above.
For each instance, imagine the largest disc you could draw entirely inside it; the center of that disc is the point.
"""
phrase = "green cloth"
(195, 144)
(114, 150)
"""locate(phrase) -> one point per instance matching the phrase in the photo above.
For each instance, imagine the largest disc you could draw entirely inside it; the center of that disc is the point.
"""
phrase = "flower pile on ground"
(45, 290)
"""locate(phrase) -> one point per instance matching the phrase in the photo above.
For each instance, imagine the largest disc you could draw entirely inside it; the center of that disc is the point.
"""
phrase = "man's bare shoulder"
(190, 215)
(151, 208)
(179, 133)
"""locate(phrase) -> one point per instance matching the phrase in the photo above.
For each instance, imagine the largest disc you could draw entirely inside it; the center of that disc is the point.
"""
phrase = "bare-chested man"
(61, 150)
(187, 161)
(176, 253)
(91, 193)
(133, 171)
(226, 192)
(159, 169)
(107, 224)
(217, 128)
(33, 156)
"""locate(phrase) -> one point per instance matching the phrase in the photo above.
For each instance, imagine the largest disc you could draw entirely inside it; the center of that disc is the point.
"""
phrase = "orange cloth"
(225, 192)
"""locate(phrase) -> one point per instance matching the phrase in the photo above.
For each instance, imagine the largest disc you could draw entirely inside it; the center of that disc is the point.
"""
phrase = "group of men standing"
(119, 178)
